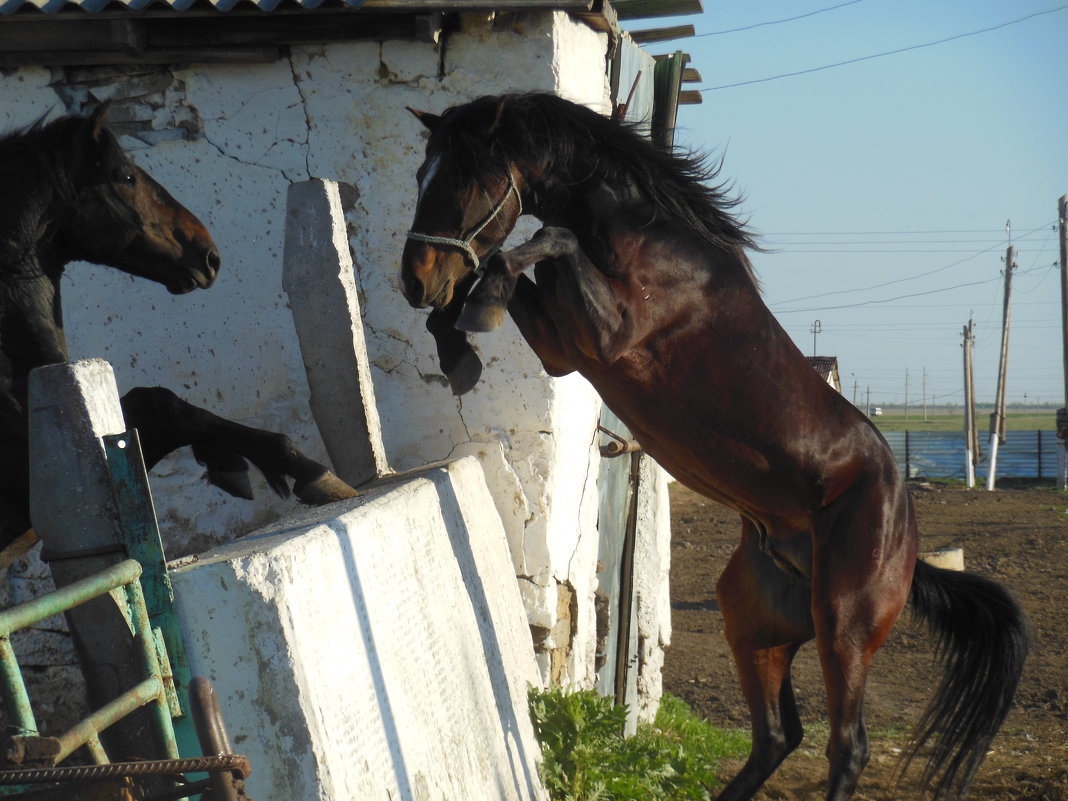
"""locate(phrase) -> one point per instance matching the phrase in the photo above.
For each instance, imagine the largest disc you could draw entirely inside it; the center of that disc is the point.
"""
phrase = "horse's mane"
(43, 161)
(490, 132)
(50, 141)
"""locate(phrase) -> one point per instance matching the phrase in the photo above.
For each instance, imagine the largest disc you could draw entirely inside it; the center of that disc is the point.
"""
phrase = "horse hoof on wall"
(327, 488)
(480, 317)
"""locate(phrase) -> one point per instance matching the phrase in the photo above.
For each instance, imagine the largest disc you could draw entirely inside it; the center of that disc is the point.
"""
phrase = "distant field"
(941, 421)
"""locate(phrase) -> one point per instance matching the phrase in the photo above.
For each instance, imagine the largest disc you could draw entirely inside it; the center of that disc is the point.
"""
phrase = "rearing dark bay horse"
(69, 192)
(642, 284)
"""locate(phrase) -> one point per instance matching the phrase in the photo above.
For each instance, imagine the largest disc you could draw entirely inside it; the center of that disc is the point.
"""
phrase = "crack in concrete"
(304, 108)
(582, 503)
(460, 414)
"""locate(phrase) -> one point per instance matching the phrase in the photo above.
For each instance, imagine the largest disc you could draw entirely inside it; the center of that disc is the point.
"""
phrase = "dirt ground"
(1017, 535)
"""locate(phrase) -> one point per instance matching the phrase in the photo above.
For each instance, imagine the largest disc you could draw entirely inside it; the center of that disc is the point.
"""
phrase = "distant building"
(827, 367)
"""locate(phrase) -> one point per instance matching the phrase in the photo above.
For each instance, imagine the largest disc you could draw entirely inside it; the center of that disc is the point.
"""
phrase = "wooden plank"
(662, 34)
(691, 97)
(601, 17)
(638, 9)
(690, 75)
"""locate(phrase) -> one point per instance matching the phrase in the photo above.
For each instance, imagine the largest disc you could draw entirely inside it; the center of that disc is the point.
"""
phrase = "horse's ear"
(429, 120)
(496, 119)
(99, 119)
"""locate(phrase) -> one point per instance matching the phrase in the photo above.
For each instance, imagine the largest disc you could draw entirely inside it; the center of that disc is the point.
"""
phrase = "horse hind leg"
(858, 594)
(766, 620)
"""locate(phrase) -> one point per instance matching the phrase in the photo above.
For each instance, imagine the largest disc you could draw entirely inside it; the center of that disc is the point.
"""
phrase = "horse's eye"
(127, 178)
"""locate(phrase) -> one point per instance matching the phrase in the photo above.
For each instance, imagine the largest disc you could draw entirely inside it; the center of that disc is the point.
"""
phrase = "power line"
(901, 297)
(908, 278)
(885, 53)
(778, 21)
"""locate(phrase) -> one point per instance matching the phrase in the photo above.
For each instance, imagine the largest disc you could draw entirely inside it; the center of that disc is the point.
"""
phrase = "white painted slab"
(378, 650)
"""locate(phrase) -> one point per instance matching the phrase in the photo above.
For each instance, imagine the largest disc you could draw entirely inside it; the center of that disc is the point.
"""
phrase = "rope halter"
(465, 243)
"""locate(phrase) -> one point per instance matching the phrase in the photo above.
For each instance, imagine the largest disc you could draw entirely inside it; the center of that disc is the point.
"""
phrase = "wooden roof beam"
(638, 9)
(662, 34)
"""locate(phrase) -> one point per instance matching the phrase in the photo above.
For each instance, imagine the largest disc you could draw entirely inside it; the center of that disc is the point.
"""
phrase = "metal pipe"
(146, 639)
(75, 593)
(131, 700)
(16, 699)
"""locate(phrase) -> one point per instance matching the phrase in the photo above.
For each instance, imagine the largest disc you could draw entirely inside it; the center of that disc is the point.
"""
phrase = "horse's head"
(463, 214)
(119, 216)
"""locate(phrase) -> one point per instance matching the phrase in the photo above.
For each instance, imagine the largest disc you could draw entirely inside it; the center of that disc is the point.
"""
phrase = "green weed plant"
(585, 756)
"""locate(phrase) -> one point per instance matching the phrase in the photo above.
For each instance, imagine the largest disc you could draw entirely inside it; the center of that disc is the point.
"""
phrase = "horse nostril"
(214, 261)
(413, 289)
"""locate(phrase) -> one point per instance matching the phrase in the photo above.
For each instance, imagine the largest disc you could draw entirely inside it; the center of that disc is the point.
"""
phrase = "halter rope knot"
(465, 243)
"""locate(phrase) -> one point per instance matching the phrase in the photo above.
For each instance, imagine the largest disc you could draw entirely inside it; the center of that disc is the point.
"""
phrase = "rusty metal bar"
(618, 445)
(214, 740)
(144, 693)
(234, 763)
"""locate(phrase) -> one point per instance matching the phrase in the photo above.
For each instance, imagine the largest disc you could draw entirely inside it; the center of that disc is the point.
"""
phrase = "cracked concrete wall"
(227, 140)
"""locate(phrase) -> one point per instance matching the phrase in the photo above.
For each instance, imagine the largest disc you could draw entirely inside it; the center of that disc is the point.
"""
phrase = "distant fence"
(940, 454)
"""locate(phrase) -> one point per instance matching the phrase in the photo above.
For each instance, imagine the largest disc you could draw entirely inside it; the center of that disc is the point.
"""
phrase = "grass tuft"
(585, 756)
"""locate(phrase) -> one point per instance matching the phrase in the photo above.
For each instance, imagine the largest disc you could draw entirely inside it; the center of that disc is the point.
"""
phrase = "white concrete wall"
(227, 141)
(369, 650)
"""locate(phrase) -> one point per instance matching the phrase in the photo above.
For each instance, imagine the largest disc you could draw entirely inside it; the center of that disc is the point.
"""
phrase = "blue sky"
(847, 171)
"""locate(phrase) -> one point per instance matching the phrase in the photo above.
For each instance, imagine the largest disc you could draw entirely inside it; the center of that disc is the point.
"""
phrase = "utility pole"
(997, 418)
(906, 396)
(925, 394)
(815, 329)
(868, 402)
(971, 435)
(1062, 414)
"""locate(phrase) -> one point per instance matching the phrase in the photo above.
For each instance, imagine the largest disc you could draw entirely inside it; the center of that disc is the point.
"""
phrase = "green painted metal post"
(140, 533)
(16, 700)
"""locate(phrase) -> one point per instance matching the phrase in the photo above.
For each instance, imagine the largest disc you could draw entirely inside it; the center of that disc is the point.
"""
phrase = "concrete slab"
(374, 649)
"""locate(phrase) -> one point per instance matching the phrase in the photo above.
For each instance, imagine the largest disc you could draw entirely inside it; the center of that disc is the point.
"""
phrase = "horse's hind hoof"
(480, 317)
(326, 488)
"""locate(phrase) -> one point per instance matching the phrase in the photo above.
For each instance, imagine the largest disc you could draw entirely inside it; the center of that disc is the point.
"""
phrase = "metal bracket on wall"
(618, 445)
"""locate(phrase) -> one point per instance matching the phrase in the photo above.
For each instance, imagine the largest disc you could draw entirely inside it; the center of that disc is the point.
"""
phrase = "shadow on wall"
(460, 540)
(429, 680)
(366, 631)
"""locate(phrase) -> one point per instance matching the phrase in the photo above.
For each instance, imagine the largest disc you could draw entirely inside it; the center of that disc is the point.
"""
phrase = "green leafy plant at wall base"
(587, 758)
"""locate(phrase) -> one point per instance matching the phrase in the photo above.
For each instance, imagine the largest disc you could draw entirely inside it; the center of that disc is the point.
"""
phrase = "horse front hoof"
(480, 317)
(326, 488)
(465, 373)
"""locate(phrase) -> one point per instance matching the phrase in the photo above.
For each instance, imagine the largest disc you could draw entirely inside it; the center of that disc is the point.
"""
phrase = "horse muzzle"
(200, 275)
(427, 275)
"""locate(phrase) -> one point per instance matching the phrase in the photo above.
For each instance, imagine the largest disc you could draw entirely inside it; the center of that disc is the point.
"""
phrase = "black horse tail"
(982, 644)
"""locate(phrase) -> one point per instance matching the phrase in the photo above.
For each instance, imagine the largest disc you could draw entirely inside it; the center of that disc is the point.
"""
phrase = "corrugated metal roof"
(94, 6)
